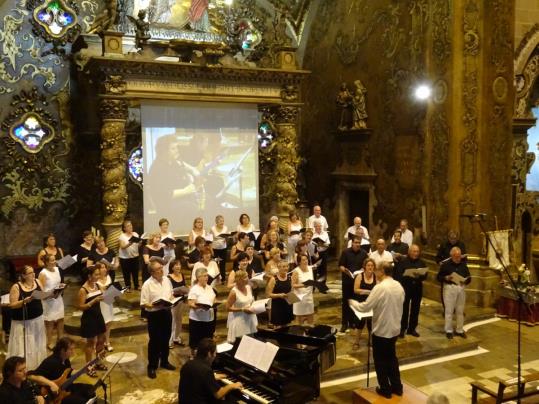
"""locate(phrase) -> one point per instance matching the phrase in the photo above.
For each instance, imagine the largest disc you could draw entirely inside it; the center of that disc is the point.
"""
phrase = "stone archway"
(526, 67)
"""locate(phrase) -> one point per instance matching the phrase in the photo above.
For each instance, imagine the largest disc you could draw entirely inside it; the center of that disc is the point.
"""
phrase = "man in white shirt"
(317, 215)
(407, 236)
(355, 230)
(386, 302)
(380, 255)
(156, 287)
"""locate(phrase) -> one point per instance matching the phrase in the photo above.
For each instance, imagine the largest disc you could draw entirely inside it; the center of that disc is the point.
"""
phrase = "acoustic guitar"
(63, 383)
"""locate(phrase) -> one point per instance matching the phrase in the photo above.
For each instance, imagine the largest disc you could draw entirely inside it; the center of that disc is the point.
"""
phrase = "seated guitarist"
(55, 370)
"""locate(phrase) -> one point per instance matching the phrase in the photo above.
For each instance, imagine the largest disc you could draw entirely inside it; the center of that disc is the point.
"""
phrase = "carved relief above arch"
(526, 72)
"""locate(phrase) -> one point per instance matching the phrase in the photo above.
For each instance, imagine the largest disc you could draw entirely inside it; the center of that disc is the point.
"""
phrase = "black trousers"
(413, 292)
(221, 253)
(348, 316)
(321, 270)
(159, 329)
(386, 364)
(130, 267)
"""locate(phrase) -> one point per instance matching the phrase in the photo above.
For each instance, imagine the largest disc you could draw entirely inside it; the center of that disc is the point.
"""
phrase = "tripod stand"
(519, 295)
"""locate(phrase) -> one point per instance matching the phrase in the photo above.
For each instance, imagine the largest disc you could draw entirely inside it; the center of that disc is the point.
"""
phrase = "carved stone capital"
(286, 114)
(114, 84)
(113, 109)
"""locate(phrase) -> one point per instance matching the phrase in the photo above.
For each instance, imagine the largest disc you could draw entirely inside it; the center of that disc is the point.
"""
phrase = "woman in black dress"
(83, 252)
(49, 248)
(363, 284)
(177, 280)
(92, 324)
(154, 248)
(102, 252)
(277, 289)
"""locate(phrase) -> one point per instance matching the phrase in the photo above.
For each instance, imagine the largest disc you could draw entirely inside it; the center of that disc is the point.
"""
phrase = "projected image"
(200, 160)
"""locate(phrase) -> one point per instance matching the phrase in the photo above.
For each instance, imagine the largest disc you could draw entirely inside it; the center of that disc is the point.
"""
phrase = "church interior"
(417, 110)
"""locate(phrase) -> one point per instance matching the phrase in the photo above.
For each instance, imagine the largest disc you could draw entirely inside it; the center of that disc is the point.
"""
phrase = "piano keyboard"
(251, 392)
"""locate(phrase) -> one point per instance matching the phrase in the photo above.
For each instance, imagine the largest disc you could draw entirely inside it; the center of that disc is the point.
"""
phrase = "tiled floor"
(129, 383)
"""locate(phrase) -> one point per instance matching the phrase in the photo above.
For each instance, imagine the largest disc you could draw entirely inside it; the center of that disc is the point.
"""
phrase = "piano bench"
(368, 396)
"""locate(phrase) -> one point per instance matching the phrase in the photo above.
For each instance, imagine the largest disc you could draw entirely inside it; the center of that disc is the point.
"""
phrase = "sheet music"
(415, 272)
(66, 262)
(456, 278)
(110, 294)
(359, 314)
(258, 277)
(4, 299)
(256, 353)
(224, 347)
(259, 306)
(39, 294)
(294, 297)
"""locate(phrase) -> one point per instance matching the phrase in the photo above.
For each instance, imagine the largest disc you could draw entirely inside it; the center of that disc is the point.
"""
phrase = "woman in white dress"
(53, 308)
(219, 244)
(246, 226)
(27, 337)
(107, 310)
(303, 310)
(241, 320)
(294, 235)
(196, 231)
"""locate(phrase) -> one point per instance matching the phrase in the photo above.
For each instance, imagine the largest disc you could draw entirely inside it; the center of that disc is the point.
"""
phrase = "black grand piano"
(294, 376)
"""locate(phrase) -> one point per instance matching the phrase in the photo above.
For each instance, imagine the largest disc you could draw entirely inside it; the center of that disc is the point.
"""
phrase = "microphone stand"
(520, 300)
(368, 354)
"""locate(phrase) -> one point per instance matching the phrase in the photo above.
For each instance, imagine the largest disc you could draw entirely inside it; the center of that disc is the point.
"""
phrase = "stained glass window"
(31, 132)
(265, 135)
(134, 165)
(56, 17)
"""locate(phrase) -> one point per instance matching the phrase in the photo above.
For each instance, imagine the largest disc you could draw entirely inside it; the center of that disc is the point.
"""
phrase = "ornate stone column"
(468, 138)
(113, 112)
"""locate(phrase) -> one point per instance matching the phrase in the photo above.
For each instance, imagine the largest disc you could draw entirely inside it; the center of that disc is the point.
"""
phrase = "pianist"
(198, 384)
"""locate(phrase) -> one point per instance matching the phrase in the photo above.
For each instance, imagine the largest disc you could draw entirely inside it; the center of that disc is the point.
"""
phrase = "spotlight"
(423, 92)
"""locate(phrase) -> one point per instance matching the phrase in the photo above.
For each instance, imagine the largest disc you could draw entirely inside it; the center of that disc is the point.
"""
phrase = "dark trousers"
(412, 303)
(130, 268)
(159, 328)
(221, 253)
(321, 270)
(386, 364)
(348, 316)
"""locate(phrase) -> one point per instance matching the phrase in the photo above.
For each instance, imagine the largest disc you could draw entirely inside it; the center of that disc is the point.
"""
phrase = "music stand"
(519, 295)
(101, 381)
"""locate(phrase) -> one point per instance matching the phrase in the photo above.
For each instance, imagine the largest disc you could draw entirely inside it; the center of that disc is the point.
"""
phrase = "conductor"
(385, 301)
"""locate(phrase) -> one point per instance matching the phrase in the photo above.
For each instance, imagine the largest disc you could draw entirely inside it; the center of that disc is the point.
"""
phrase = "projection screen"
(200, 159)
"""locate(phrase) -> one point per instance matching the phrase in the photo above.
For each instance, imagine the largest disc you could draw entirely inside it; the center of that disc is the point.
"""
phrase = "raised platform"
(368, 396)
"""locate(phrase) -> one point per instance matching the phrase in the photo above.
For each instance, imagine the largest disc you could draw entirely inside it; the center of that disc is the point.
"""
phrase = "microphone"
(479, 216)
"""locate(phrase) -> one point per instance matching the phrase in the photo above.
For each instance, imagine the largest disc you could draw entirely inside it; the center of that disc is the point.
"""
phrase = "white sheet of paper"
(256, 353)
(356, 273)
(110, 294)
(259, 306)
(359, 314)
(66, 262)
(258, 277)
(4, 299)
(224, 347)
(39, 294)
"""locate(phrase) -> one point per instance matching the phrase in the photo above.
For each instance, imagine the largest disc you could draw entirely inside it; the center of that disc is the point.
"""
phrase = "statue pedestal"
(112, 43)
(286, 58)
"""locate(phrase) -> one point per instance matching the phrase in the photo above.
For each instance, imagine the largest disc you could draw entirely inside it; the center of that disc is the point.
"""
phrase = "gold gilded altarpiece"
(120, 82)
